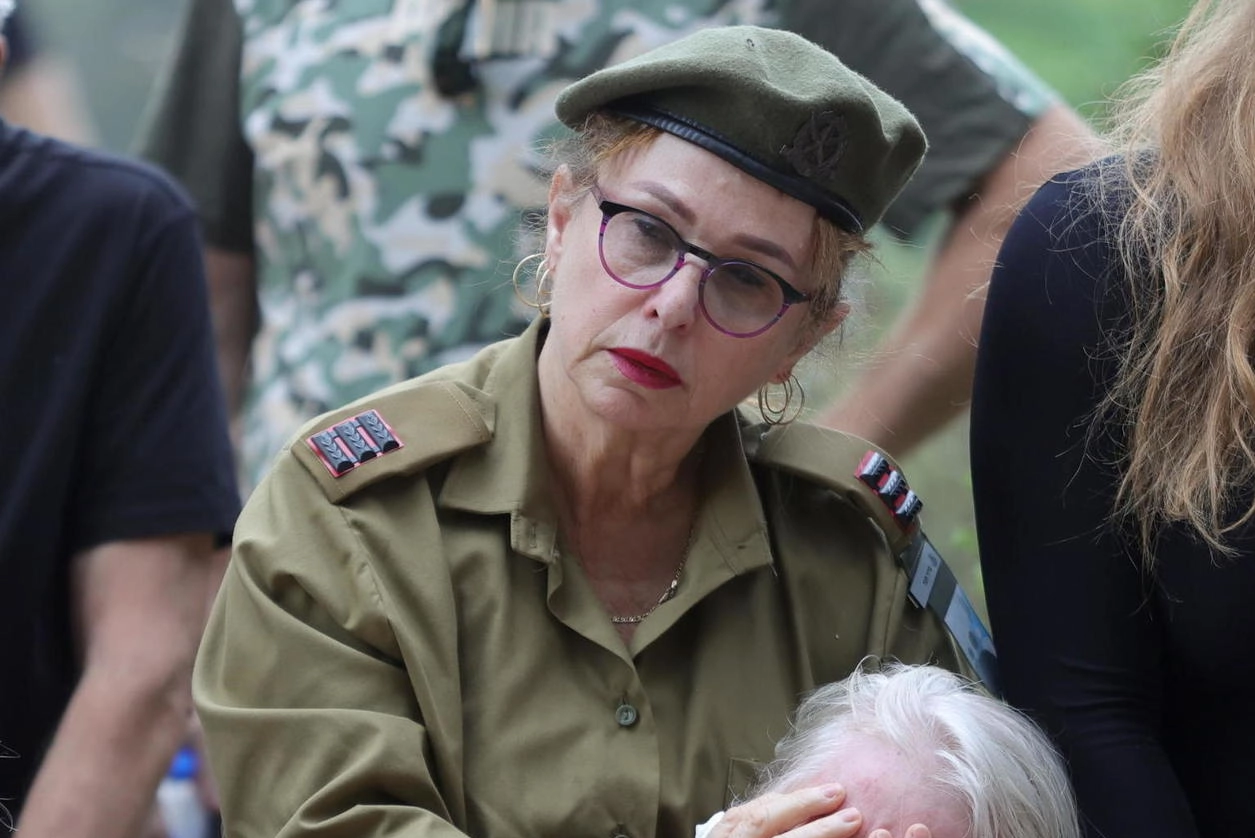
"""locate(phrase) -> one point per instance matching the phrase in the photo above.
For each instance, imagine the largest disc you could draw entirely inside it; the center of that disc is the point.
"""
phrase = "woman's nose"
(676, 302)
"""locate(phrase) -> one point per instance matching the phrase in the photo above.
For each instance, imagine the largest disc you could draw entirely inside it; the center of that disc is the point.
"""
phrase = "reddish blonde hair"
(1185, 387)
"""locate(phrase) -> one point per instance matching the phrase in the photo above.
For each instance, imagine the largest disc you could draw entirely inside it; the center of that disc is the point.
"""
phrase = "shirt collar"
(510, 475)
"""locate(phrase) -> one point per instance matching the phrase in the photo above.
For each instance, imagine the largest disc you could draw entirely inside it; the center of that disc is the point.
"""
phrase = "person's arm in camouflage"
(233, 304)
(995, 131)
(921, 375)
(193, 131)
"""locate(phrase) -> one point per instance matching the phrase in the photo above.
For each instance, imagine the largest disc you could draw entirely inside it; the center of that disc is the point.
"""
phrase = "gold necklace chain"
(668, 594)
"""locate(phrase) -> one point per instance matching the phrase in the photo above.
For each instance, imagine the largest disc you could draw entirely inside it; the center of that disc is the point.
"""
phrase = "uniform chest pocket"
(741, 775)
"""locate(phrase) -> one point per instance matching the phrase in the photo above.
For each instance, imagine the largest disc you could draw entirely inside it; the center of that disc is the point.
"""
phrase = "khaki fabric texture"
(405, 650)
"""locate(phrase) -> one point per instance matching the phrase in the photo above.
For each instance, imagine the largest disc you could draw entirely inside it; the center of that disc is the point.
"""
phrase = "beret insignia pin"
(354, 441)
(818, 146)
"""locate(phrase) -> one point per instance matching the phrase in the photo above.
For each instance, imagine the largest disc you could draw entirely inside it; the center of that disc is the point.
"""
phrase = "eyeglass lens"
(738, 298)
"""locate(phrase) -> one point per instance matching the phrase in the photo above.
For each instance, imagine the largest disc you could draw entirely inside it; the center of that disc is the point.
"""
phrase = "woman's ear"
(811, 335)
(831, 323)
(561, 192)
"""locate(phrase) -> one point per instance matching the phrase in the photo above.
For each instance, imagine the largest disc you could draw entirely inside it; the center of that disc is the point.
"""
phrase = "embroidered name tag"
(347, 445)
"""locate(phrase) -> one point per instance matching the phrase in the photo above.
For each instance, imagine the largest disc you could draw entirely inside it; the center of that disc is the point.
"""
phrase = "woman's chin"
(631, 408)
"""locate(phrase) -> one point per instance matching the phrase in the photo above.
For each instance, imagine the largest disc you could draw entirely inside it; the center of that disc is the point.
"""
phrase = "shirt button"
(626, 715)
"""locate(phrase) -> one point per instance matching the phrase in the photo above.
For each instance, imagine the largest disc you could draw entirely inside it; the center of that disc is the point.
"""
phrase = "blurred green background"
(1083, 48)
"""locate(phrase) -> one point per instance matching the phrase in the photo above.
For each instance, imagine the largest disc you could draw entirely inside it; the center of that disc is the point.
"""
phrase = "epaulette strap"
(934, 586)
(870, 480)
(401, 430)
(836, 460)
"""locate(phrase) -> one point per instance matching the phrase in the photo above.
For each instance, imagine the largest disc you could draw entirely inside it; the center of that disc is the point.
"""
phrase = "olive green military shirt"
(405, 650)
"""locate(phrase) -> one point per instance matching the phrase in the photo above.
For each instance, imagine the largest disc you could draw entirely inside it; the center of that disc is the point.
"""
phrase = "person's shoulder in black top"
(115, 427)
(1141, 679)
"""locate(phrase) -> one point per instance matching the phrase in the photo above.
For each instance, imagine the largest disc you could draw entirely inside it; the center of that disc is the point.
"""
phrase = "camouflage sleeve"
(192, 128)
(974, 99)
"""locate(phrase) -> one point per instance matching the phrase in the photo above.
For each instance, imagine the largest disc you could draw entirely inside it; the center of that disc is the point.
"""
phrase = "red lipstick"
(645, 369)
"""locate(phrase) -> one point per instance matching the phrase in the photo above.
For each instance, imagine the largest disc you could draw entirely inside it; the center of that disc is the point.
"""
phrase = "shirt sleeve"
(312, 722)
(1078, 646)
(156, 455)
(192, 127)
(972, 97)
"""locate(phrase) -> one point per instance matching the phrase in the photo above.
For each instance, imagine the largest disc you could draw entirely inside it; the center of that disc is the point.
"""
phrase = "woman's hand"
(814, 812)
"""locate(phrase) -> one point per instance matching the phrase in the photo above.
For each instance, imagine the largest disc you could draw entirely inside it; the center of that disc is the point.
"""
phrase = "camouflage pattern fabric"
(387, 222)
(387, 212)
(1015, 82)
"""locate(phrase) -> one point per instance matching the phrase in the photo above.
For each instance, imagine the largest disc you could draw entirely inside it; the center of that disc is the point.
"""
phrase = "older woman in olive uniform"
(569, 587)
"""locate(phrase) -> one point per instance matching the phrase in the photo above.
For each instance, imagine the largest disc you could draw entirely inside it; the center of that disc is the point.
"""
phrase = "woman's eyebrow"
(673, 201)
(677, 205)
(766, 247)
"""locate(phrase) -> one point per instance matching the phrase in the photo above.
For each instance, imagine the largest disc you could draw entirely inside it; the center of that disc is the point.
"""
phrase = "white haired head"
(973, 749)
(6, 9)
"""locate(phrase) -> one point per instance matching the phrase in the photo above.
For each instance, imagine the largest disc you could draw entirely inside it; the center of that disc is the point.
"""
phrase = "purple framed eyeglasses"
(641, 251)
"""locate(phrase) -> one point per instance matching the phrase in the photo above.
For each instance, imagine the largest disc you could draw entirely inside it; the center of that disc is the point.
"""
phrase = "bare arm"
(139, 608)
(233, 305)
(921, 375)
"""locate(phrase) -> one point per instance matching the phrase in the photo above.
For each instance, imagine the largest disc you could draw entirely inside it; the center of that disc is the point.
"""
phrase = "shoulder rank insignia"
(345, 446)
(933, 584)
(890, 486)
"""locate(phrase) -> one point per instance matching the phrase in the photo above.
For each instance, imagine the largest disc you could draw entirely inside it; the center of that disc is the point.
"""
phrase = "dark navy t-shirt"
(112, 423)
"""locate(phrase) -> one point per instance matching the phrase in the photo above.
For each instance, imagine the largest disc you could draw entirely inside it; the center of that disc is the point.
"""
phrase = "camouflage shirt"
(392, 146)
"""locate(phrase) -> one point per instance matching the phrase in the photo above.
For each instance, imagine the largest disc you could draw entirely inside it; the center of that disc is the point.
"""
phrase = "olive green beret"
(773, 104)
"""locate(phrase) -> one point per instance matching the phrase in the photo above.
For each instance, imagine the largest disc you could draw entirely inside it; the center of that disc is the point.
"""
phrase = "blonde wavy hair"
(1185, 386)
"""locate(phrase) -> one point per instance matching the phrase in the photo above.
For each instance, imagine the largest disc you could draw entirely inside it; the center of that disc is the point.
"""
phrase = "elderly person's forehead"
(892, 787)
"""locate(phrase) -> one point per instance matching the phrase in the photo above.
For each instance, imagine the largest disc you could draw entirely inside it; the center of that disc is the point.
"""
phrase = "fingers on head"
(916, 831)
(805, 813)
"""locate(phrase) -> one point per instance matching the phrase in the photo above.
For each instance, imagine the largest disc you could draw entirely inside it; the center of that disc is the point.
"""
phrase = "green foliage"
(1084, 48)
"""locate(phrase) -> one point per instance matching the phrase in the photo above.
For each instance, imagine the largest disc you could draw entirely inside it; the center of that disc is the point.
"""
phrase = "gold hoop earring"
(786, 411)
(544, 290)
(542, 279)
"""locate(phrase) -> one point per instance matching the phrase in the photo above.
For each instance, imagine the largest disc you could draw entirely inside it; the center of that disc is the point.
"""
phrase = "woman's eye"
(745, 276)
(650, 228)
